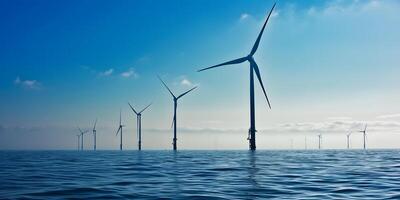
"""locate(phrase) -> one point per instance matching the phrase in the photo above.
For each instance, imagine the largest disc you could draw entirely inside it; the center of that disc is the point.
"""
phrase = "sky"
(329, 67)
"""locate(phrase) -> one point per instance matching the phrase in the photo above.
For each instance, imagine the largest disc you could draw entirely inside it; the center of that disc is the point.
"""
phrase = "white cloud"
(108, 72)
(331, 127)
(130, 73)
(335, 7)
(29, 84)
(244, 16)
(339, 126)
(389, 116)
(312, 11)
(275, 13)
(186, 82)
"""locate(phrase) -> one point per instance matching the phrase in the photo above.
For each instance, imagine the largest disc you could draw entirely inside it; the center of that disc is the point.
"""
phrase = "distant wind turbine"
(319, 141)
(364, 133)
(82, 134)
(120, 130)
(139, 124)
(175, 98)
(253, 68)
(94, 135)
(348, 139)
(305, 142)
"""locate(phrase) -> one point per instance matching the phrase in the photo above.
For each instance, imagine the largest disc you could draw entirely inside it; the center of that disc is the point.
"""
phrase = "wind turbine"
(364, 133)
(94, 134)
(82, 134)
(139, 124)
(79, 139)
(348, 139)
(253, 68)
(175, 98)
(120, 130)
(319, 140)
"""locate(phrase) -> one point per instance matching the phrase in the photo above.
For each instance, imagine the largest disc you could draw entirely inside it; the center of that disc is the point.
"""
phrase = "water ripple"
(330, 174)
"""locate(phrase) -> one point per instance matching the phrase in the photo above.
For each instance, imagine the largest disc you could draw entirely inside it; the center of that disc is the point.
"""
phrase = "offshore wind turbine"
(253, 68)
(82, 134)
(364, 133)
(348, 139)
(305, 142)
(175, 98)
(120, 130)
(139, 124)
(319, 140)
(94, 135)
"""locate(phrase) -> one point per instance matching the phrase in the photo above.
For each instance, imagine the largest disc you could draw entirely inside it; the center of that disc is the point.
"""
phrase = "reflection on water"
(328, 174)
(252, 169)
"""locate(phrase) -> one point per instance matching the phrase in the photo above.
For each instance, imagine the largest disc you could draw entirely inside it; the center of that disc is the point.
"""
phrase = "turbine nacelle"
(82, 132)
(94, 127)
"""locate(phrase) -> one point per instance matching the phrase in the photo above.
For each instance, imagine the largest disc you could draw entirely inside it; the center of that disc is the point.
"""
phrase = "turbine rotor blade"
(365, 129)
(255, 67)
(166, 86)
(255, 46)
(132, 108)
(186, 92)
(145, 108)
(236, 61)
(173, 120)
(120, 117)
(118, 130)
(94, 127)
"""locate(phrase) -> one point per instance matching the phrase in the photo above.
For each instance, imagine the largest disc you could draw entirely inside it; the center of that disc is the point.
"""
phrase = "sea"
(186, 174)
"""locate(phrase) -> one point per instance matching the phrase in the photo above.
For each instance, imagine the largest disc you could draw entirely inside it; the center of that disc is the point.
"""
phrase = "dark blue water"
(326, 174)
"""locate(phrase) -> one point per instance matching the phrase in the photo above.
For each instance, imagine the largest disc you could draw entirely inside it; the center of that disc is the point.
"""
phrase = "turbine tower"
(120, 130)
(348, 139)
(305, 142)
(175, 98)
(253, 68)
(94, 135)
(364, 133)
(319, 140)
(139, 124)
(82, 134)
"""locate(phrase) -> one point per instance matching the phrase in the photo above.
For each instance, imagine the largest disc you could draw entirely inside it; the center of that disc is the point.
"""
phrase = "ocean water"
(326, 174)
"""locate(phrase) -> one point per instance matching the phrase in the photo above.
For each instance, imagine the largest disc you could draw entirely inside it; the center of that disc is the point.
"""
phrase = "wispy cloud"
(331, 127)
(339, 126)
(397, 115)
(186, 82)
(107, 72)
(244, 16)
(29, 84)
(130, 73)
(275, 13)
(336, 7)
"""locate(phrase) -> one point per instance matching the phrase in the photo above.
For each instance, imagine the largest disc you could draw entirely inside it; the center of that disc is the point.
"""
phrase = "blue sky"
(328, 66)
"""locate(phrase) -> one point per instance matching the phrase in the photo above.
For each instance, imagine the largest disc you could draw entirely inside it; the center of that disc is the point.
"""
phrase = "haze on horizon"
(328, 67)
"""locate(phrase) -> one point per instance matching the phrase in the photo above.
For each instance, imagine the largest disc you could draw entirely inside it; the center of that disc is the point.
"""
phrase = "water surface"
(327, 174)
